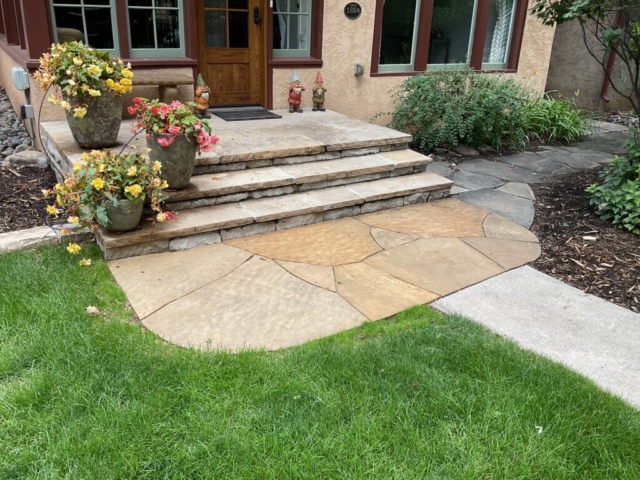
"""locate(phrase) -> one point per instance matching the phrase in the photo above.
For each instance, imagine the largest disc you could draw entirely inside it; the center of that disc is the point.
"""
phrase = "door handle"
(256, 15)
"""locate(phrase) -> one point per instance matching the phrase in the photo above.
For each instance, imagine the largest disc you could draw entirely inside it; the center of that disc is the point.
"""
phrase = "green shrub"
(448, 107)
(556, 119)
(461, 106)
(618, 198)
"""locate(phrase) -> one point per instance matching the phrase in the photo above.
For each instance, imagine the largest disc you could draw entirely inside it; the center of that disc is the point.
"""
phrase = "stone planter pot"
(124, 217)
(100, 126)
(178, 159)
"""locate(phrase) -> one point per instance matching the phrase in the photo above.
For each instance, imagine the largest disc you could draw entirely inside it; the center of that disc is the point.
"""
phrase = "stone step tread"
(218, 217)
(227, 183)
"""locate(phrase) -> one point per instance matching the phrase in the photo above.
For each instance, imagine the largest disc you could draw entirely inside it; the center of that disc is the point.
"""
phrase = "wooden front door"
(231, 50)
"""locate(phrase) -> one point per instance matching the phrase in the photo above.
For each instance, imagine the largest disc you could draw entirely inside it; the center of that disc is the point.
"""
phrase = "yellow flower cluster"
(74, 248)
(79, 112)
(134, 190)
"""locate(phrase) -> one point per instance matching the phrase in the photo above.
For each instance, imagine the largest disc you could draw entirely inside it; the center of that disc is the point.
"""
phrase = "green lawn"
(419, 396)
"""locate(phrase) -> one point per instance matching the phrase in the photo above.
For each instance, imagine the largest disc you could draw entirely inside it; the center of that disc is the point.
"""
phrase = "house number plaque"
(352, 10)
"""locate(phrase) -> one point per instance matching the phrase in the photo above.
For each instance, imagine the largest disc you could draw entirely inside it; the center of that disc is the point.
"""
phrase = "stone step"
(234, 186)
(201, 226)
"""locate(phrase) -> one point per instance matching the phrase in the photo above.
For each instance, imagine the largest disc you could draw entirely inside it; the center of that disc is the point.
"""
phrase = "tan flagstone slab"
(400, 186)
(439, 265)
(258, 305)
(406, 158)
(226, 183)
(334, 242)
(388, 239)
(443, 218)
(153, 281)
(272, 208)
(376, 293)
(496, 226)
(506, 253)
(188, 222)
(318, 275)
(268, 147)
(340, 168)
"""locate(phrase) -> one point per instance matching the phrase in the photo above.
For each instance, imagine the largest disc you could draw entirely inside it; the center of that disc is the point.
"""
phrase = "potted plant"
(110, 189)
(174, 136)
(89, 85)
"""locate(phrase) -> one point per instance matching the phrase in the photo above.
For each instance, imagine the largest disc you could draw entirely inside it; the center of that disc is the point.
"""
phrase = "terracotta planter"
(100, 126)
(178, 159)
(124, 217)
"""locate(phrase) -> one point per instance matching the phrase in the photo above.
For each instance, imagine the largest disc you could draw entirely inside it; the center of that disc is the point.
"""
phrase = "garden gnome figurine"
(202, 98)
(318, 93)
(295, 94)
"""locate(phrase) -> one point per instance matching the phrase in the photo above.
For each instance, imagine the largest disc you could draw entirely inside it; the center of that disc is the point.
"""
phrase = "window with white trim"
(156, 28)
(91, 21)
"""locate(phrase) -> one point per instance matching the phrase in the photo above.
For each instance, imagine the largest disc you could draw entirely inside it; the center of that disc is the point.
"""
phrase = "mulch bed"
(21, 202)
(581, 249)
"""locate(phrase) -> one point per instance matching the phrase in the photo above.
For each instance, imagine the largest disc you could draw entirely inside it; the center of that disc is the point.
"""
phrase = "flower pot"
(178, 159)
(125, 216)
(100, 126)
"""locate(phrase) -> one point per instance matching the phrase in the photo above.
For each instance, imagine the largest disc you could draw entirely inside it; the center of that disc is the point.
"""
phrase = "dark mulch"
(21, 202)
(581, 249)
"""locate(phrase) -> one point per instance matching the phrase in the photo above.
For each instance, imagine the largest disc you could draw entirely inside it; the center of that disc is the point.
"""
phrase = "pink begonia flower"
(197, 126)
(175, 104)
(174, 130)
(164, 142)
(215, 139)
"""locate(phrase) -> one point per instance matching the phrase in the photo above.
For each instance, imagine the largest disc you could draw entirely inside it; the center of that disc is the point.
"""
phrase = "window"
(292, 28)
(217, 12)
(418, 35)
(89, 21)
(155, 28)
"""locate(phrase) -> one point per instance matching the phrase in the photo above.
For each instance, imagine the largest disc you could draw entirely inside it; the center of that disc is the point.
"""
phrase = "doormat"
(237, 114)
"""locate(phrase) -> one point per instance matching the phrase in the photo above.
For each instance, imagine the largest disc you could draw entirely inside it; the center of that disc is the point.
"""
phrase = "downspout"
(610, 64)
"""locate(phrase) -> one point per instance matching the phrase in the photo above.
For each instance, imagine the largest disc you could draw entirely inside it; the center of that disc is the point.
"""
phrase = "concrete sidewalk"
(596, 338)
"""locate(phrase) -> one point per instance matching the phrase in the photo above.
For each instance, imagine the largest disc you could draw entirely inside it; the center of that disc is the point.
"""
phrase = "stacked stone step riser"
(202, 168)
(224, 234)
(286, 189)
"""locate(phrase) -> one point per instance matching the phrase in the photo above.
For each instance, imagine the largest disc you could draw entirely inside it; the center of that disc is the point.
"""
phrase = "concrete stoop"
(260, 179)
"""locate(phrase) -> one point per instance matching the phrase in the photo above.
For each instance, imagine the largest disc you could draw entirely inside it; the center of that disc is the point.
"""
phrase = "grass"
(418, 396)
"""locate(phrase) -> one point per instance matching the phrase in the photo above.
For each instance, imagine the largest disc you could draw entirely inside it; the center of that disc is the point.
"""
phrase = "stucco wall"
(350, 41)
(572, 68)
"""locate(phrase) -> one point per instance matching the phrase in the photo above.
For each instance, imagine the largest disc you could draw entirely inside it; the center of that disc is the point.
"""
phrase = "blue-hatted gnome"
(202, 98)
(295, 93)
(318, 93)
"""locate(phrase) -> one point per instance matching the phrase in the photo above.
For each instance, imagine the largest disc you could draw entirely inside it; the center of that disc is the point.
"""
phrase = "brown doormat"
(237, 114)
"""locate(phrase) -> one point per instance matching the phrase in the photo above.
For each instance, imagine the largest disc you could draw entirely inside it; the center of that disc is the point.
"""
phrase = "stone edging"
(31, 238)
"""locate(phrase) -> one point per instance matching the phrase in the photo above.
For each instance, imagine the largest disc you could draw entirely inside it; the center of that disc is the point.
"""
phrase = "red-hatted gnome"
(318, 93)
(295, 93)
(202, 98)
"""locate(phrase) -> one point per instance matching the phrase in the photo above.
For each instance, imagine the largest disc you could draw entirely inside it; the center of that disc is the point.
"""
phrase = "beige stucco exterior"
(573, 69)
(350, 41)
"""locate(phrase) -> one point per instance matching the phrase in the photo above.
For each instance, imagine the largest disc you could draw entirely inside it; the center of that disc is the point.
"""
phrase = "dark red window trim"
(424, 31)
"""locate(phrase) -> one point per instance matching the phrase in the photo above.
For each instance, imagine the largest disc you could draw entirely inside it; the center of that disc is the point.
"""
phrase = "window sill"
(410, 74)
(295, 62)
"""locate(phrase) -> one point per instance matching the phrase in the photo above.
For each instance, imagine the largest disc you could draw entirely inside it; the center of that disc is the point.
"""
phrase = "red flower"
(164, 142)
(170, 215)
(137, 101)
(215, 139)
(154, 110)
(131, 110)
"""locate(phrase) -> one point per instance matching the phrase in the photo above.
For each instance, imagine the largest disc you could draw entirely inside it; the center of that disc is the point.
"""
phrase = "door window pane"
(496, 47)
(398, 33)
(89, 21)
(451, 27)
(291, 28)
(238, 29)
(215, 24)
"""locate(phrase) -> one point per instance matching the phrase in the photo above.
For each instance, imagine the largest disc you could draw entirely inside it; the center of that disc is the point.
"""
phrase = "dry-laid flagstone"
(318, 275)
(388, 239)
(496, 226)
(516, 209)
(506, 253)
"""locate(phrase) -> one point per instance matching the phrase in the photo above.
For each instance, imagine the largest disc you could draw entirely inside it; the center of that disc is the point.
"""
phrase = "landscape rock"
(465, 150)
(28, 158)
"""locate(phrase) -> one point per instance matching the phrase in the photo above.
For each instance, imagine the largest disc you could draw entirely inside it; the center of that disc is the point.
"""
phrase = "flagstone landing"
(288, 287)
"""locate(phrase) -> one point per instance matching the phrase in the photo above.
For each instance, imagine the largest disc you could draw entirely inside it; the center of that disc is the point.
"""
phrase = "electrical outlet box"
(20, 78)
(28, 111)
(358, 70)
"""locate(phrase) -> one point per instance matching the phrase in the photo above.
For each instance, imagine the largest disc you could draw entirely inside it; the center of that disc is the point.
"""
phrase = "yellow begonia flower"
(126, 81)
(73, 219)
(97, 183)
(79, 112)
(77, 166)
(74, 248)
(164, 184)
(157, 166)
(53, 100)
(65, 105)
(101, 167)
(134, 190)
(77, 61)
(85, 262)
(85, 88)
(95, 70)
(109, 70)
(110, 83)
(161, 217)
(51, 210)
(132, 171)
(94, 93)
